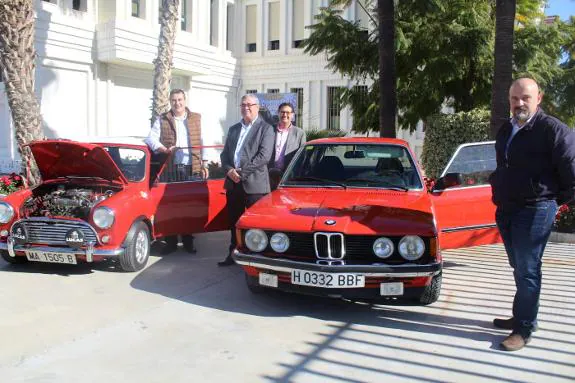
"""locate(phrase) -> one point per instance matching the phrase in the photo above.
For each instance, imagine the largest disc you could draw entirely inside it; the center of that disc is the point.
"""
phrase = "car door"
(186, 203)
(465, 214)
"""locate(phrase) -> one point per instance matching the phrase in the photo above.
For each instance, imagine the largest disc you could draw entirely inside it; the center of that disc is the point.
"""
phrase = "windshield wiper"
(323, 180)
(387, 185)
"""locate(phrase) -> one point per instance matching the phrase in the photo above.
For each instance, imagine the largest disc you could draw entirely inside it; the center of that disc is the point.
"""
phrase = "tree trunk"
(387, 86)
(169, 17)
(503, 68)
(17, 61)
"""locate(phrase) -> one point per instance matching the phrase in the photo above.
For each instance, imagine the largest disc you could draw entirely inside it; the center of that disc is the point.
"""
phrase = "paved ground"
(183, 319)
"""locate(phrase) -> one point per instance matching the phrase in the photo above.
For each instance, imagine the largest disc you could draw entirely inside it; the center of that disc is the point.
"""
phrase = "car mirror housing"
(448, 181)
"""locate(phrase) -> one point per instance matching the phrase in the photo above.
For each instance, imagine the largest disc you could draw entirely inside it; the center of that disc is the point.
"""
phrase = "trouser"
(238, 201)
(525, 233)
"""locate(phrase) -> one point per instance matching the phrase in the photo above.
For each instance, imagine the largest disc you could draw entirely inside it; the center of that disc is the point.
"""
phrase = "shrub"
(11, 183)
(565, 219)
(445, 132)
(314, 134)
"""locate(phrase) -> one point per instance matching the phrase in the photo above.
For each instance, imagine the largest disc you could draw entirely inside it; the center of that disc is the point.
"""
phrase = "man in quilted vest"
(173, 133)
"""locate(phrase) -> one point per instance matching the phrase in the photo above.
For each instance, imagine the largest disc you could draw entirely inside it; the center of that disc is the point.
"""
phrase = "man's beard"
(521, 114)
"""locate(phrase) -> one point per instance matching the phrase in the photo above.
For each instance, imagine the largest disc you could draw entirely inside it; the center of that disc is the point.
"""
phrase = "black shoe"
(507, 324)
(190, 248)
(226, 262)
(168, 249)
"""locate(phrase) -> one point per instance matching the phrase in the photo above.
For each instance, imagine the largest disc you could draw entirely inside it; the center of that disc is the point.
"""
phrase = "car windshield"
(132, 162)
(384, 166)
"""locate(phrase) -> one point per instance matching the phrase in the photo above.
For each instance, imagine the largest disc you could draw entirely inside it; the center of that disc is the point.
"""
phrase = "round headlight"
(383, 247)
(6, 212)
(279, 242)
(103, 217)
(411, 247)
(256, 240)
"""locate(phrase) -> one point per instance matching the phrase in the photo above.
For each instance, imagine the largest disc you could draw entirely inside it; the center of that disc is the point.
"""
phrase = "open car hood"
(58, 158)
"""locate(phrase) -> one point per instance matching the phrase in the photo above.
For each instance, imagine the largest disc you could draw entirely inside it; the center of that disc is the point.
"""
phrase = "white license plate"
(270, 280)
(329, 280)
(391, 288)
(45, 256)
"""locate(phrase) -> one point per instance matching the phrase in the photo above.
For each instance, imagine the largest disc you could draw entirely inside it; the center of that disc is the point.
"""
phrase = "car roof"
(359, 140)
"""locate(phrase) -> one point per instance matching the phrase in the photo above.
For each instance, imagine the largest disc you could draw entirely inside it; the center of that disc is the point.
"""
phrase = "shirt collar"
(244, 125)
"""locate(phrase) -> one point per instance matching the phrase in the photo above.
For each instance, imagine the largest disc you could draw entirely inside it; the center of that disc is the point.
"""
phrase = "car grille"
(356, 248)
(53, 231)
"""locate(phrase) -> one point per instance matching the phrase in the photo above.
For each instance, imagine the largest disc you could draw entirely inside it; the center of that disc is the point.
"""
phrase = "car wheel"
(13, 260)
(253, 285)
(431, 292)
(137, 248)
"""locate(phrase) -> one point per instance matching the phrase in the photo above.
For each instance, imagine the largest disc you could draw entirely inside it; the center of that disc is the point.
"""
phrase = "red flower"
(6, 181)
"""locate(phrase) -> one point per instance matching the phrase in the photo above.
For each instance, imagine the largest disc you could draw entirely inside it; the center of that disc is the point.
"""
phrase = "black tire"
(137, 247)
(253, 285)
(431, 292)
(12, 260)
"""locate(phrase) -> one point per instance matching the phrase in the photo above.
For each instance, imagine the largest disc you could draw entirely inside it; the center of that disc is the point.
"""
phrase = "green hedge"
(445, 132)
(314, 133)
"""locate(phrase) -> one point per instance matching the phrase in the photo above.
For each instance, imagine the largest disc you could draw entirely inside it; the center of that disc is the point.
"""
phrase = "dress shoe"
(514, 342)
(190, 248)
(226, 262)
(507, 324)
(168, 249)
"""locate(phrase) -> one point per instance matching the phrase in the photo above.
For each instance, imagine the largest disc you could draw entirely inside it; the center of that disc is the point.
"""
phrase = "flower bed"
(565, 219)
(10, 183)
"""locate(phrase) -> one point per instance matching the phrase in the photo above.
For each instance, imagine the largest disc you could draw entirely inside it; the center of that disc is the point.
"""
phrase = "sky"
(561, 8)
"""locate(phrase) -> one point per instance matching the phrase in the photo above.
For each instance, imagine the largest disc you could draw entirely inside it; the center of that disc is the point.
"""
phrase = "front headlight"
(6, 212)
(279, 242)
(411, 247)
(256, 240)
(103, 217)
(383, 247)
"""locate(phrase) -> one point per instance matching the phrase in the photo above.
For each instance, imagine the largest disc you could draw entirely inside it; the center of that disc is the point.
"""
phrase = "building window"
(333, 107)
(214, 22)
(274, 26)
(298, 27)
(186, 18)
(251, 28)
(273, 90)
(299, 107)
(229, 26)
(251, 91)
(79, 5)
(138, 8)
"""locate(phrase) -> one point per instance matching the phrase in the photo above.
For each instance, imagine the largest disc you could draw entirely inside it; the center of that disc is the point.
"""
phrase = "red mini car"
(106, 201)
(352, 218)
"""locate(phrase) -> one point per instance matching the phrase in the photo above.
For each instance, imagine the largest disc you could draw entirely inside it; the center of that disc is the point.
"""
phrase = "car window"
(190, 164)
(475, 162)
(354, 165)
(132, 162)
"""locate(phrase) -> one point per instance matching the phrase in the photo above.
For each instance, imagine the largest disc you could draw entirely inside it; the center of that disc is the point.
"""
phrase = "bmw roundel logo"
(74, 238)
(330, 222)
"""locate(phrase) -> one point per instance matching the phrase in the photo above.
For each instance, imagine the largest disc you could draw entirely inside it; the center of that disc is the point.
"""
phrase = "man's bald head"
(524, 99)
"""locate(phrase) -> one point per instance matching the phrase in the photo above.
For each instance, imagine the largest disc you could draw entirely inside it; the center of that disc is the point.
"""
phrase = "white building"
(94, 68)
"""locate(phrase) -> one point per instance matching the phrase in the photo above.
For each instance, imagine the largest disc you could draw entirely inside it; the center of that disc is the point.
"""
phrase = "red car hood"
(354, 211)
(56, 158)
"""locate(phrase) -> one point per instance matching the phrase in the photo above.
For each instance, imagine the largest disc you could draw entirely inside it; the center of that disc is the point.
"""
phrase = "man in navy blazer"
(288, 139)
(247, 152)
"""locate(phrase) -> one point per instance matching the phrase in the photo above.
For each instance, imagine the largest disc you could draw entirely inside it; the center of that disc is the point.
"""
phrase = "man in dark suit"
(288, 139)
(247, 152)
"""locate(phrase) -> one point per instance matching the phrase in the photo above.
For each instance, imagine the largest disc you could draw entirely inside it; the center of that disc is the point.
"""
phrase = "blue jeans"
(525, 233)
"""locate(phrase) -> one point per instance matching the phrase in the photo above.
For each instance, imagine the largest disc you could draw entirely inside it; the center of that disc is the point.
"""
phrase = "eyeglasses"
(247, 105)
(285, 112)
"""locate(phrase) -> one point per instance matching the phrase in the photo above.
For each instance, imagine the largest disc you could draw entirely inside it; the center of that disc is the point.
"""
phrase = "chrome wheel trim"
(142, 246)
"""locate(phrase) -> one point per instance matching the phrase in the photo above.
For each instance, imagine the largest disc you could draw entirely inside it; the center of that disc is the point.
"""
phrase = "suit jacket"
(295, 140)
(255, 155)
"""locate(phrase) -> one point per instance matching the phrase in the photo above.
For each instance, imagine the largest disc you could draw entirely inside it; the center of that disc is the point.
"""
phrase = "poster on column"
(270, 102)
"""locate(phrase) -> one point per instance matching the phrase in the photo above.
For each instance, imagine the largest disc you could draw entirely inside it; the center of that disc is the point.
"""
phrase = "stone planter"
(562, 237)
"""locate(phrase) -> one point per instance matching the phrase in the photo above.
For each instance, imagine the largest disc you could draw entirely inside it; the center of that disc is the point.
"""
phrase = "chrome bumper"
(374, 270)
(88, 252)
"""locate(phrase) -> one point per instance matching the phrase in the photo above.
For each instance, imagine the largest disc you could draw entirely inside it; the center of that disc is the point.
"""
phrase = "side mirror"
(448, 181)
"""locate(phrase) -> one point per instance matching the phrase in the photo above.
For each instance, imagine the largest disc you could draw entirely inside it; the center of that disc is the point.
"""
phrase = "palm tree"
(387, 77)
(17, 64)
(503, 68)
(163, 63)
